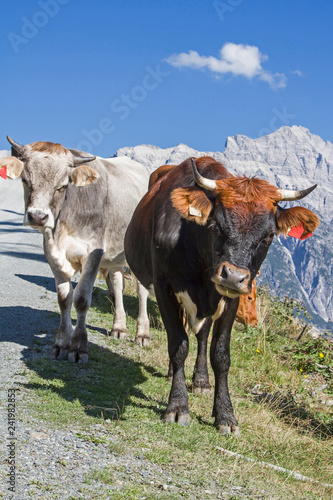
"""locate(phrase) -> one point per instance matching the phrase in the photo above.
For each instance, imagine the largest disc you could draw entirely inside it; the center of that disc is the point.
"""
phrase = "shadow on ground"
(43, 281)
(102, 387)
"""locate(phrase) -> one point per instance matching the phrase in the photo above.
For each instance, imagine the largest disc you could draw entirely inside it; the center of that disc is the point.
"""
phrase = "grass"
(283, 415)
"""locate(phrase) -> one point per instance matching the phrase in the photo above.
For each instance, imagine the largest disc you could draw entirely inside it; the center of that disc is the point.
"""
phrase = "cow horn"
(290, 195)
(203, 182)
(78, 160)
(18, 147)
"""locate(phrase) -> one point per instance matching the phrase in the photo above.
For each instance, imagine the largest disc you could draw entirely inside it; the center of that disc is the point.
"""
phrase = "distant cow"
(199, 237)
(83, 212)
(247, 308)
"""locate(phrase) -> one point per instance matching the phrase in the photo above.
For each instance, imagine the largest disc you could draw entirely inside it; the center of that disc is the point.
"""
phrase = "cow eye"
(268, 240)
(61, 189)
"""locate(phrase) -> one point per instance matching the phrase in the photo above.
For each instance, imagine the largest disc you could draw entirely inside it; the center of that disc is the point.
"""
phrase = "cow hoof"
(184, 419)
(170, 418)
(59, 353)
(77, 357)
(118, 334)
(83, 357)
(173, 417)
(201, 390)
(228, 429)
(142, 341)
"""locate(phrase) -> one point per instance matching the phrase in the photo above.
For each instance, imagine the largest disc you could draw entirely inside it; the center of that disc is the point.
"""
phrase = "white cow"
(83, 212)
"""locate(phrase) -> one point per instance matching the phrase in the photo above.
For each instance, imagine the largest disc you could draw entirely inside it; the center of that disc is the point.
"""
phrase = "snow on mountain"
(291, 157)
(4, 153)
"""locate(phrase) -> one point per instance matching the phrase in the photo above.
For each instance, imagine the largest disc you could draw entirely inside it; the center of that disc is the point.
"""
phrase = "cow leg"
(64, 337)
(119, 321)
(142, 331)
(82, 302)
(177, 409)
(105, 274)
(225, 420)
(200, 374)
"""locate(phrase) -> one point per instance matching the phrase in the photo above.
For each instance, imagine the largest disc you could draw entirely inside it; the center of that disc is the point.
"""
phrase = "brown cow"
(199, 237)
(158, 173)
(247, 308)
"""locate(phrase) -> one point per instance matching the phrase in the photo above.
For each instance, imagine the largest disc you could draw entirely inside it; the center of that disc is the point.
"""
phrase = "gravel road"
(27, 286)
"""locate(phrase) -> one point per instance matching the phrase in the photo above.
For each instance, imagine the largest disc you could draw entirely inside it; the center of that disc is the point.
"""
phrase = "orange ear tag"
(3, 172)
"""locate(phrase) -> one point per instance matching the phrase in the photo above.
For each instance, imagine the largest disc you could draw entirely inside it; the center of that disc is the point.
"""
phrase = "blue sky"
(100, 75)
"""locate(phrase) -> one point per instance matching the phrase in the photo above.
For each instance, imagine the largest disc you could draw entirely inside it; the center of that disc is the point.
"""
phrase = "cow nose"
(37, 218)
(234, 274)
(235, 278)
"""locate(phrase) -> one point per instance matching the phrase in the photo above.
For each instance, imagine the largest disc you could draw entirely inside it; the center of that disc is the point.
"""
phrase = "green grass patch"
(284, 417)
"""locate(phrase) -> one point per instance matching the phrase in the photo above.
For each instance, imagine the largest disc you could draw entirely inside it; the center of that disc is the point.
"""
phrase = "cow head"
(46, 170)
(247, 308)
(242, 217)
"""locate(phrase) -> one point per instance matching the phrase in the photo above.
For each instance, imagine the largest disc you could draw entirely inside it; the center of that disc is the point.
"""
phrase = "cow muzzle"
(39, 219)
(232, 281)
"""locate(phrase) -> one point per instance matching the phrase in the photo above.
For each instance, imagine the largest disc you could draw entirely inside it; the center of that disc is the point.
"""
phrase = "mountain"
(291, 158)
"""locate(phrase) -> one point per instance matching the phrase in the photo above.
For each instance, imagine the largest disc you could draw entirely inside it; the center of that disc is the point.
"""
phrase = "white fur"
(191, 309)
(186, 302)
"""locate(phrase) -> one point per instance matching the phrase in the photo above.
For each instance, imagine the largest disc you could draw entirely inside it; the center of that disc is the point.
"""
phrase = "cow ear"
(297, 221)
(192, 204)
(11, 167)
(83, 176)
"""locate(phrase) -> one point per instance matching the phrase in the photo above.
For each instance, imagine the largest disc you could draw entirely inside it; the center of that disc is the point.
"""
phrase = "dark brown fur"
(294, 216)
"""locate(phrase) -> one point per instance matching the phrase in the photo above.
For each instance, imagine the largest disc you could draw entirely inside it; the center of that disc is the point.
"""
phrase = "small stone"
(38, 435)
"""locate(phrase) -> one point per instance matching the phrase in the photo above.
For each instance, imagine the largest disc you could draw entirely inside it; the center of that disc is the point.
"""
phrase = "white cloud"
(297, 72)
(237, 59)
